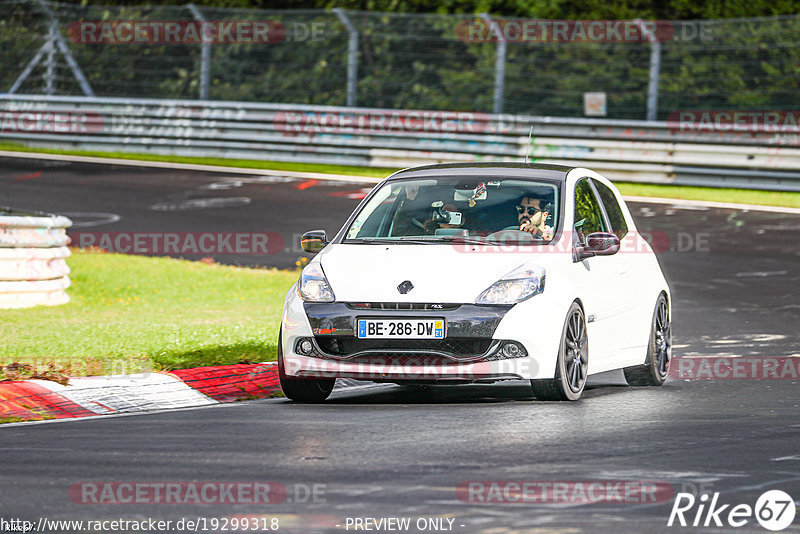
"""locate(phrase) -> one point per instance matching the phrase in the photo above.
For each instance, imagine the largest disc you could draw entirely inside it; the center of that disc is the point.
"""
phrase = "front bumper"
(409, 372)
(463, 320)
(319, 342)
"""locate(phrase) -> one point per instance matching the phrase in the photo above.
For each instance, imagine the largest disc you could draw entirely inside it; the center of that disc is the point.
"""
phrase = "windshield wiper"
(390, 241)
(463, 239)
(432, 240)
(492, 242)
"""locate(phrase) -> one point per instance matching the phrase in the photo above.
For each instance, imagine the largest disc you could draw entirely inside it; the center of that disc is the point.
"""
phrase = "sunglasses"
(529, 209)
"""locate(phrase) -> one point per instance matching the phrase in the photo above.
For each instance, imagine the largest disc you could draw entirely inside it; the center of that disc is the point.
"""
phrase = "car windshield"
(444, 209)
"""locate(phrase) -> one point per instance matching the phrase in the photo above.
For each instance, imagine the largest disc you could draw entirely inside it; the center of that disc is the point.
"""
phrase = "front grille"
(344, 346)
(402, 306)
(409, 352)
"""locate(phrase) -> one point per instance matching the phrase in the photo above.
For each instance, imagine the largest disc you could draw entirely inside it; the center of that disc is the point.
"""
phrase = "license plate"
(401, 328)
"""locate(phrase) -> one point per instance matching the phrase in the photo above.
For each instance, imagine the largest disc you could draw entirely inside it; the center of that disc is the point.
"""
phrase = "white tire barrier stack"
(33, 253)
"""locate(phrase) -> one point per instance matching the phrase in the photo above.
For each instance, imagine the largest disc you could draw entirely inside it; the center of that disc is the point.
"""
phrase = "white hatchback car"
(479, 273)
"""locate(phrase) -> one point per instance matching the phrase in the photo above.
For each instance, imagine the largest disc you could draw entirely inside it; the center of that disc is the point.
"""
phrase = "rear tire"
(659, 350)
(572, 363)
(312, 390)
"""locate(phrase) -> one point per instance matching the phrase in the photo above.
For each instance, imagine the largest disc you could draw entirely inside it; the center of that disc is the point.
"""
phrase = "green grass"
(374, 172)
(741, 196)
(4, 420)
(130, 314)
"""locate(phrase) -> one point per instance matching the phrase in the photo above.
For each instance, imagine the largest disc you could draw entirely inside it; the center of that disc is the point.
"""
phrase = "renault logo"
(405, 287)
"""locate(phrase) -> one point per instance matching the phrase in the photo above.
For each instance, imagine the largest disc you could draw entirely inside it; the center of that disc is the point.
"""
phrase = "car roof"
(506, 169)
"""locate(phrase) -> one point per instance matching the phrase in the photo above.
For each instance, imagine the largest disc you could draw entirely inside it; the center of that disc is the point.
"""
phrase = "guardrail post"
(652, 85)
(499, 64)
(352, 56)
(655, 68)
(205, 53)
(50, 62)
(54, 40)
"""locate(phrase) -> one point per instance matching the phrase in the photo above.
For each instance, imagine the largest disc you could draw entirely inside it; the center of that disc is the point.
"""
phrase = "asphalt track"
(402, 452)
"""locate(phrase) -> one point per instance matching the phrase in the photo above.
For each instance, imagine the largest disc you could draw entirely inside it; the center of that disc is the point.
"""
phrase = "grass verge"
(130, 314)
(374, 172)
(740, 196)
(715, 194)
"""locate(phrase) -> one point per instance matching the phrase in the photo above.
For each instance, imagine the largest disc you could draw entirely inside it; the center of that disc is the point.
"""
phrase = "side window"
(588, 215)
(614, 212)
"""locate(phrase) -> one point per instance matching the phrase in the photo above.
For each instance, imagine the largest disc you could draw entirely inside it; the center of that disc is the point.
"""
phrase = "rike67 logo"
(774, 510)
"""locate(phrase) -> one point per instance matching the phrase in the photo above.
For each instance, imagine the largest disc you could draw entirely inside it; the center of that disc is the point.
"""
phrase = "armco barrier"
(33, 252)
(646, 151)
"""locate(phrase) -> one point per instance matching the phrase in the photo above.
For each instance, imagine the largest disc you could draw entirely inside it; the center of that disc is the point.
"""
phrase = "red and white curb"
(28, 400)
(104, 395)
(121, 394)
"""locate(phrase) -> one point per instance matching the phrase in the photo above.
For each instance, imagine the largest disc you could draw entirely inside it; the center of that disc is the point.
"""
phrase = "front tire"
(303, 389)
(572, 363)
(659, 350)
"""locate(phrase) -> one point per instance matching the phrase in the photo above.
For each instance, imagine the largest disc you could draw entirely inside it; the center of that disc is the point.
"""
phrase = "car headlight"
(313, 286)
(520, 284)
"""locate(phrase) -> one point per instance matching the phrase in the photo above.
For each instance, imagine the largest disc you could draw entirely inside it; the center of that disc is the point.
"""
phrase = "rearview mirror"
(313, 241)
(597, 244)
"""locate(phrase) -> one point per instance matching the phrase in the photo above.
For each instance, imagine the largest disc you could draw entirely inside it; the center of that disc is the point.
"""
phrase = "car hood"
(439, 273)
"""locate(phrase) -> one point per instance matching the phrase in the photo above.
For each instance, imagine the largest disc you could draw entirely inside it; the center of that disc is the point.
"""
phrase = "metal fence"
(649, 151)
(645, 69)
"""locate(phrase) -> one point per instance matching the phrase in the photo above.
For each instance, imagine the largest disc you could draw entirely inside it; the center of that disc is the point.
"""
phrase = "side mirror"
(313, 241)
(602, 244)
(597, 244)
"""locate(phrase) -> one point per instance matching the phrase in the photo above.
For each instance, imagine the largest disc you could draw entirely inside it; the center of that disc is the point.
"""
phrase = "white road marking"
(270, 179)
(646, 212)
(688, 208)
(761, 274)
(201, 204)
(224, 185)
(103, 218)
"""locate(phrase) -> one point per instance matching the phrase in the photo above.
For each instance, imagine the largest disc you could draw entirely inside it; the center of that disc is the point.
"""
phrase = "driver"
(532, 214)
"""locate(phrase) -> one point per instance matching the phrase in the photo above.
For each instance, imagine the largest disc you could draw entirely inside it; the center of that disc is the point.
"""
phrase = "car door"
(628, 268)
(600, 279)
